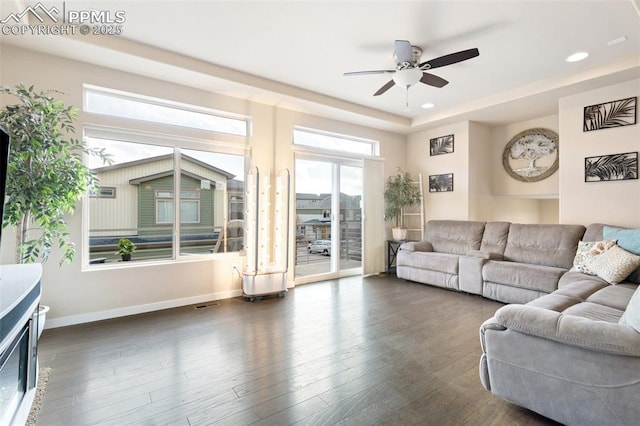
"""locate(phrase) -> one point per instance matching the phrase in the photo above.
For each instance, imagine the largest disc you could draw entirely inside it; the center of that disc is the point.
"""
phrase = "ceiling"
(294, 53)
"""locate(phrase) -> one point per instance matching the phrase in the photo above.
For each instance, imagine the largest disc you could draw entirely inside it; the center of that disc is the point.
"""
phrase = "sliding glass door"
(328, 218)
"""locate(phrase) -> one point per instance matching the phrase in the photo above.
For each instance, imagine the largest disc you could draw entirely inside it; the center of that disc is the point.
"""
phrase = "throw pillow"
(631, 315)
(615, 264)
(587, 251)
(628, 239)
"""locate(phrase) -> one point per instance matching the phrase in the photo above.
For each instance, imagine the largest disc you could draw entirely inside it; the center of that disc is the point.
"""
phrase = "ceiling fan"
(409, 70)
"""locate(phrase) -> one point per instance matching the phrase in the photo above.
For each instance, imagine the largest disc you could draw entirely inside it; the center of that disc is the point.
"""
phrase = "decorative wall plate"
(532, 155)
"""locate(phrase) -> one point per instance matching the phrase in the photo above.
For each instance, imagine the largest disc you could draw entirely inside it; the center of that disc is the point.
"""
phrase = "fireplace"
(19, 300)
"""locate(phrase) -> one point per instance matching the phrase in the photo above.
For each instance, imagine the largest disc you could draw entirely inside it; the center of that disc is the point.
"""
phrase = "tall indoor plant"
(45, 174)
(400, 192)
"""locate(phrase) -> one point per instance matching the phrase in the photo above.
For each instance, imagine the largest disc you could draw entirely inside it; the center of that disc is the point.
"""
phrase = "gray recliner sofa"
(508, 262)
(566, 355)
(562, 347)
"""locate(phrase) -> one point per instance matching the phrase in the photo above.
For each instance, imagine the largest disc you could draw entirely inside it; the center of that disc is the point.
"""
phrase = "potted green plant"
(125, 248)
(400, 192)
(46, 175)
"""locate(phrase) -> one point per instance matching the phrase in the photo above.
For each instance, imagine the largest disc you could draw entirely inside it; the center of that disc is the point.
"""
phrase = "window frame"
(170, 199)
(374, 145)
(97, 192)
(178, 107)
(113, 128)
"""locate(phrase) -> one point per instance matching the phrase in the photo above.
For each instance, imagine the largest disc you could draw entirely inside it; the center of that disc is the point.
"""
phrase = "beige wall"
(78, 295)
(614, 202)
(480, 166)
(443, 205)
(505, 185)
(516, 201)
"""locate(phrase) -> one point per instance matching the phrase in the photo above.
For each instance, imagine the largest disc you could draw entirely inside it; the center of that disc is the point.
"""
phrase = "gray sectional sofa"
(568, 344)
(508, 262)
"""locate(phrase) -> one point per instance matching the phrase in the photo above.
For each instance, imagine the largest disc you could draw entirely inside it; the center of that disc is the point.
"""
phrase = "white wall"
(77, 295)
(614, 202)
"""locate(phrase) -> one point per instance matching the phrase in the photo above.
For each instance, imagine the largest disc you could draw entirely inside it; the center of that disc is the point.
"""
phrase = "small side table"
(392, 253)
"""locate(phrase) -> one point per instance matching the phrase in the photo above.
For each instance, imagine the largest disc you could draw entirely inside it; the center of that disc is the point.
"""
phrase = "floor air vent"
(206, 305)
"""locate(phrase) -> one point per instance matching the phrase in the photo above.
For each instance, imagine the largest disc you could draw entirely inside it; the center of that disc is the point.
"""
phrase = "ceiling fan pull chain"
(407, 99)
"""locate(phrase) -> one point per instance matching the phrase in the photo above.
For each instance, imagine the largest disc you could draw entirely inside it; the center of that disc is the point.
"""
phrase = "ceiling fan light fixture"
(407, 77)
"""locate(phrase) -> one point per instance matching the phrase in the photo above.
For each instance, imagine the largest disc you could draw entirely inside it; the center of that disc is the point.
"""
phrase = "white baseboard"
(138, 309)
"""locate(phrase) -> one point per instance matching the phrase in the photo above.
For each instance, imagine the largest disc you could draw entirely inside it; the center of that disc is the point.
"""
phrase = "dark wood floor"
(356, 351)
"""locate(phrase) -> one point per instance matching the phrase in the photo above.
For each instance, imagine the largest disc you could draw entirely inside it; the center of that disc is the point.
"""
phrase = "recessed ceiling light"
(578, 56)
(427, 105)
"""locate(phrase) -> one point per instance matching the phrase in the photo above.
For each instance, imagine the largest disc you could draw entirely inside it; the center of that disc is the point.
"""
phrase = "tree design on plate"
(528, 147)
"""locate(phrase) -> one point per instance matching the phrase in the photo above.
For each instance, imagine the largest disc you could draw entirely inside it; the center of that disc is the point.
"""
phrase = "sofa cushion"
(494, 239)
(580, 289)
(554, 302)
(587, 251)
(631, 315)
(441, 262)
(416, 246)
(628, 239)
(615, 264)
(548, 245)
(573, 276)
(595, 231)
(454, 236)
(613, 296)
(533, 277)
(595, 312)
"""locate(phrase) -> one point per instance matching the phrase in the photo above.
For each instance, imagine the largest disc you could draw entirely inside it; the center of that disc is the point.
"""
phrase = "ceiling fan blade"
(384, 88)
(369, 72)
(433, 80)
(404, 52)
(452, 58)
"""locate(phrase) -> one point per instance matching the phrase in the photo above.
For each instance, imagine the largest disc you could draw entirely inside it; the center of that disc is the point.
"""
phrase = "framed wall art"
(618, 113)
(441, 145)
(531, 155)
(611, 167)
(441, 183)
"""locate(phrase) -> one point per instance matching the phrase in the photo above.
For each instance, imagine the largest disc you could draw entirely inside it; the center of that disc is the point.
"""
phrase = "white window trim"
(170, 199)
(99, 131)
(375, 145)
(150, 100)
(123, 134)
(97, 192)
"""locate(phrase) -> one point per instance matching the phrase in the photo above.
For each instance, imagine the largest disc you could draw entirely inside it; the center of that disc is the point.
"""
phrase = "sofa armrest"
(417, 246)
(485, 255)
(598, 336)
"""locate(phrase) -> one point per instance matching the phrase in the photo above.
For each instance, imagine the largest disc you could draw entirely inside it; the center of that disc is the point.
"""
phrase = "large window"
(126, 105)
(170, 199)
(334, 142)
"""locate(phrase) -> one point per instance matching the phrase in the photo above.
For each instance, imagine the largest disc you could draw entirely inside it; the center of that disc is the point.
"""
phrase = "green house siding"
(147, 207)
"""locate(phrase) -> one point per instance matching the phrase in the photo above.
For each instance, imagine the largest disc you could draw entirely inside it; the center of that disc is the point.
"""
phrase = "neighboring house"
(314, 216)
(136, 198)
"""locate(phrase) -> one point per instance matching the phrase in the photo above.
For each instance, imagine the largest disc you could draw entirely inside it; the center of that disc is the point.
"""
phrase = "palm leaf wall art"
(441, 145)
(610, 114)
(611, 167)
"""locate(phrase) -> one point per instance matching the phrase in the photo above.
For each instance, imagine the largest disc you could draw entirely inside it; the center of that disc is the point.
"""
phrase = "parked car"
(320, 246)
